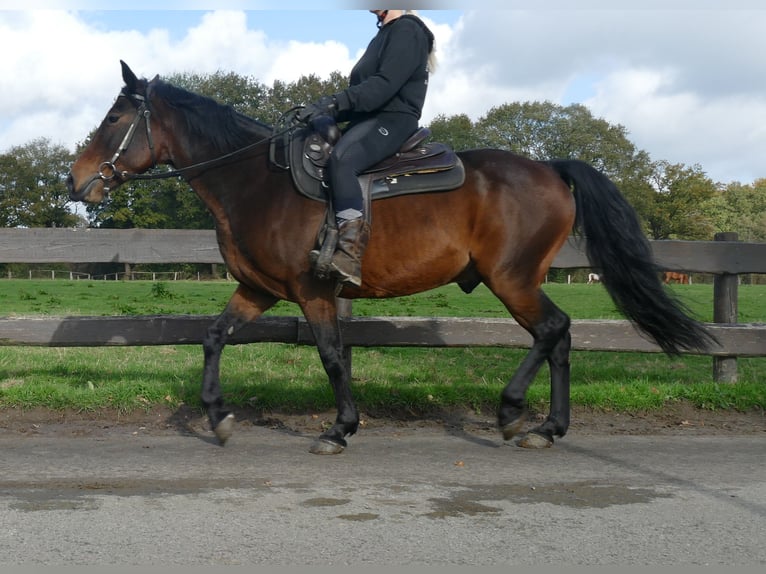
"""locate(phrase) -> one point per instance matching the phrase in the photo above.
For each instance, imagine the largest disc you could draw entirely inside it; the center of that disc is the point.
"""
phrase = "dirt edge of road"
(680, 418)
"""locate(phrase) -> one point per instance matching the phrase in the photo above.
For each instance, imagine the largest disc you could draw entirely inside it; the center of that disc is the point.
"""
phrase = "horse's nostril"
(70, 185)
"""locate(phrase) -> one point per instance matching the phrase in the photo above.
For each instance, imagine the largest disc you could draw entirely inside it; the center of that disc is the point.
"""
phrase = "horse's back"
(511, 213)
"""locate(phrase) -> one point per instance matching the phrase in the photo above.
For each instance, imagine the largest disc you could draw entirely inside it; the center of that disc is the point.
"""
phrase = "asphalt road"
(408, 497)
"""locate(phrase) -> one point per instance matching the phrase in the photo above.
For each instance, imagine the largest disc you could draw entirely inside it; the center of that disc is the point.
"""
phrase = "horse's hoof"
(535, 441)
(325, 446)
(512, 429)
(224, 429)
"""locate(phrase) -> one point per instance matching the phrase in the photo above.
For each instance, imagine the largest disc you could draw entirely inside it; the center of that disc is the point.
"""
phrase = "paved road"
(419, 496)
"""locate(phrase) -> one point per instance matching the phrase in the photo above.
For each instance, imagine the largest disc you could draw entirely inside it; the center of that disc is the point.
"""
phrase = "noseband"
(107, 170)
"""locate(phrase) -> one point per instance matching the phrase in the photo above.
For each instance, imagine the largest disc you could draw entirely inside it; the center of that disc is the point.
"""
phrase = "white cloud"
(722, 134)
(53, 93)
(689, 85)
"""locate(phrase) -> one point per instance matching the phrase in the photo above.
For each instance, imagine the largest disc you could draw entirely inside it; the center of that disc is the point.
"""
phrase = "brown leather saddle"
(418, 167)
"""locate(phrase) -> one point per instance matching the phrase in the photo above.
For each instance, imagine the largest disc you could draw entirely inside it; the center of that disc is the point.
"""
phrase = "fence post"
(725, 310)
(344, 310)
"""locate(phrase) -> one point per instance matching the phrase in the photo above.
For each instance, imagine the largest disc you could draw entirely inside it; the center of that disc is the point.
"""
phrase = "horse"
(502, 227)
(594, 278)
(674, 276)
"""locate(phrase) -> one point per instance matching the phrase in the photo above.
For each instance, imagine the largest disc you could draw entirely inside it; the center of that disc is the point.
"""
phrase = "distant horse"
(594, 278)
(503, 228)
(675, 277)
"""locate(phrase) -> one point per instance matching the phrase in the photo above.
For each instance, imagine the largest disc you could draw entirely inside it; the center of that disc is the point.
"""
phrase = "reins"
(107, 171)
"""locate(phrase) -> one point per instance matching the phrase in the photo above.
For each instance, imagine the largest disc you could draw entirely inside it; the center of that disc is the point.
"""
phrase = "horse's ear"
(131, 81)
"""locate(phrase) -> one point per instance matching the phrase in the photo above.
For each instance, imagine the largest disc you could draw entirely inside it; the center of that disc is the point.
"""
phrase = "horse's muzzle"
(92, 191)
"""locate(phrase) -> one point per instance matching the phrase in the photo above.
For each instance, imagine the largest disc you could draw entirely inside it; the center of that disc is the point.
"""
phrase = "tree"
(679, 202)
(543, 130)
(155, 204)
(244, 94)
(252, 98)
(457, 131)
(741, 209)
(33, 186)
(305, 90)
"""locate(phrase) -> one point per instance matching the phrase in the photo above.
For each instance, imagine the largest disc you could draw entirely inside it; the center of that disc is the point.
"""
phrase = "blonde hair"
(432, 60)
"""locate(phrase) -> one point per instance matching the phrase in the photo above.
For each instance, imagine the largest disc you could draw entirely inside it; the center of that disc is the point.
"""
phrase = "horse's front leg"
(244, 306)
(322, 316)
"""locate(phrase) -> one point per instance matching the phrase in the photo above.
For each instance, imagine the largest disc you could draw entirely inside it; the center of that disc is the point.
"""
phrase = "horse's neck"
(241, 185)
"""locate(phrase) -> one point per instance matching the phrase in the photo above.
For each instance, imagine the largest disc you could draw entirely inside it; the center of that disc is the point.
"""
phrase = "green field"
(290, 378)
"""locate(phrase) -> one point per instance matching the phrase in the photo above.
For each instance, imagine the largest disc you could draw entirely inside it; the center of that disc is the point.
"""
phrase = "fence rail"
(590, 335)
(726, 258)
(144, 246)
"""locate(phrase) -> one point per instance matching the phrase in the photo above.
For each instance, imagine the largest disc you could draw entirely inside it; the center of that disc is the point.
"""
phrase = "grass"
(290, 378)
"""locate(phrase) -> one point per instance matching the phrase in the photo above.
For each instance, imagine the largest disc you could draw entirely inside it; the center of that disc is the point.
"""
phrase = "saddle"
(417, 167)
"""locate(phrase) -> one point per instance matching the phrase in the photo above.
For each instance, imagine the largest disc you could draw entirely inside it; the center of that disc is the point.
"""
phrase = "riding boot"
(346, 265)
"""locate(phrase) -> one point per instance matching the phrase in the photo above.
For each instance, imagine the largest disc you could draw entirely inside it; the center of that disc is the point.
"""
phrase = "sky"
(687, 79)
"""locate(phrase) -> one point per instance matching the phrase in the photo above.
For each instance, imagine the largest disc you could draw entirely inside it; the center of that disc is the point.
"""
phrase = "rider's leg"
(362, 146)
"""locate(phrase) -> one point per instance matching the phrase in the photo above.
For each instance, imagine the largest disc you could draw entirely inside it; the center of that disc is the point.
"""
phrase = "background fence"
(725, 257)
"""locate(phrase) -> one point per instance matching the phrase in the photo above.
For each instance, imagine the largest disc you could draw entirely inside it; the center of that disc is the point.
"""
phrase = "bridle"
(108, 172)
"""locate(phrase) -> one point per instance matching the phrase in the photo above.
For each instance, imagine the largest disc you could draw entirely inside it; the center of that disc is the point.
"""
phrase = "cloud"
(53, 93)
(688, 85)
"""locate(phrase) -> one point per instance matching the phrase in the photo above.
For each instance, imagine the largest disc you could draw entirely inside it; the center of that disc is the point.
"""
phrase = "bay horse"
(502, 227)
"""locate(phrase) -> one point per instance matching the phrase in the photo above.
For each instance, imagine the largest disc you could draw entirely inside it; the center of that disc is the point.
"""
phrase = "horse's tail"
(616, 244)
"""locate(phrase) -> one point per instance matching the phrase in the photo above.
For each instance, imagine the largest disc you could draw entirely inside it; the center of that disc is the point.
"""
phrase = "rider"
(383, 103)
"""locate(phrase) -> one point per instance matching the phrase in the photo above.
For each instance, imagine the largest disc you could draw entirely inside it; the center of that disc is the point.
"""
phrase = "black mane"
(220, 125)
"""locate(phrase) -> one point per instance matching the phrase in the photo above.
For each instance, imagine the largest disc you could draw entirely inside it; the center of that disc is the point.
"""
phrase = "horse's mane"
(220, 125)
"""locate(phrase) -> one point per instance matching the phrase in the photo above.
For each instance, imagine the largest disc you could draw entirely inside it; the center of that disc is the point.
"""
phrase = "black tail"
(618, 247)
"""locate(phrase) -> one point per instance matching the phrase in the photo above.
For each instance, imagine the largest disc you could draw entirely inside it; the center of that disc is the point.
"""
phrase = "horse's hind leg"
(549, 327)
(244, 306)
(557, 422)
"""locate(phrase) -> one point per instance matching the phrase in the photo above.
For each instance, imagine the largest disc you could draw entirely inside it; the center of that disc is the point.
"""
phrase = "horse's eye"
(113, 118)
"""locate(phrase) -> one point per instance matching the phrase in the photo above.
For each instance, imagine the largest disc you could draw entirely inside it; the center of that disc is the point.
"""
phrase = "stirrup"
(321, 259)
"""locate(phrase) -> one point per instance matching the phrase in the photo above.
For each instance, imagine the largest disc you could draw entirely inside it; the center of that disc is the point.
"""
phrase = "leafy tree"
(283, 96)
(543, 130)
(244, 94)
(457, 131)
(33, 186)
(253, 98)
(157, 204)
(679, 202)
(741, 209)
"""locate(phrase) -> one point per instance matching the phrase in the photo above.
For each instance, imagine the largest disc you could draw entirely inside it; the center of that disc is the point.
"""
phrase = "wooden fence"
(725, 257)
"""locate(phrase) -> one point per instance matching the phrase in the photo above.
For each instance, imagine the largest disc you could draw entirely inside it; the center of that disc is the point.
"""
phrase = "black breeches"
(362, 146)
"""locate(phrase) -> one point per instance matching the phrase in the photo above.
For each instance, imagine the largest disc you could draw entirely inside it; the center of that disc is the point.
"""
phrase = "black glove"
(324, 106)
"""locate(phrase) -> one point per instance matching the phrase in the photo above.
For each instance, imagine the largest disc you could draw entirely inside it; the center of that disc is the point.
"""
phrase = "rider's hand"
(326, 105)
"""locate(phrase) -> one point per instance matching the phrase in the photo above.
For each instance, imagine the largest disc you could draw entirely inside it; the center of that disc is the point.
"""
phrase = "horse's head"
(123, 144)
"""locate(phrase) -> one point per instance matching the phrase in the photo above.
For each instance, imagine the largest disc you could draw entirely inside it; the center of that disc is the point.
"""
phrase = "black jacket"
(392, 74)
